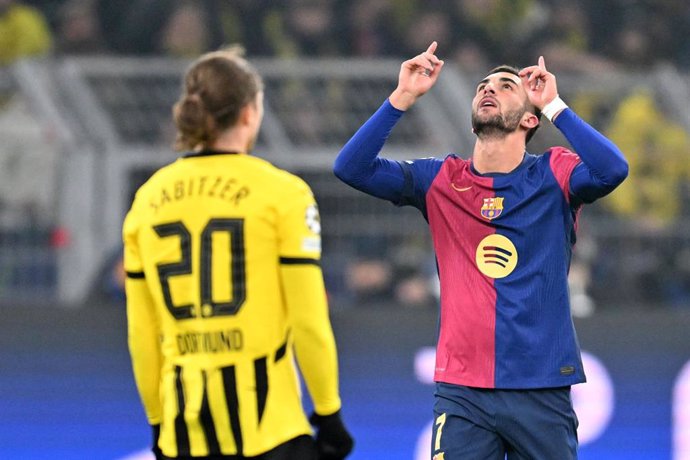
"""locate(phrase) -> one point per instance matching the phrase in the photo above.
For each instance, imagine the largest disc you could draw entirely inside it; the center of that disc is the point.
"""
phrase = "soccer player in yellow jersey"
(225, 291)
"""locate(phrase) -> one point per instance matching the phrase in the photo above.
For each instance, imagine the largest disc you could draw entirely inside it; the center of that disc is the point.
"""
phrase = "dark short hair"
(515, 71)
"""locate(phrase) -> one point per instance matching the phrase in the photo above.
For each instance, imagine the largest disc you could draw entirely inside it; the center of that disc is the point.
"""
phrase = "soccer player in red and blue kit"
(503, 227)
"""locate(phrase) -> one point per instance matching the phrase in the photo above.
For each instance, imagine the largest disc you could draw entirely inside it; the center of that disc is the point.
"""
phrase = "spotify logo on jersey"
(496, 256)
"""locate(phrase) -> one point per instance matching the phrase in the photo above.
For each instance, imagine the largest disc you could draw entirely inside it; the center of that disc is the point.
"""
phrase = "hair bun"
(195, 124)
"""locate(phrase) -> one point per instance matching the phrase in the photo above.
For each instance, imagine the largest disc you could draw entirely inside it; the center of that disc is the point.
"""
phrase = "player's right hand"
(333, 441)
(417, 76)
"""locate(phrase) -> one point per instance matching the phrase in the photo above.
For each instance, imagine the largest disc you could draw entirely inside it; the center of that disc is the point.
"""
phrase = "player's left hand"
(539, 83)
(156, 434)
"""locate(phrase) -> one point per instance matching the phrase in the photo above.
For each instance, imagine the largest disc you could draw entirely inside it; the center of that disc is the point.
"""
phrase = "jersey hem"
(530, 385)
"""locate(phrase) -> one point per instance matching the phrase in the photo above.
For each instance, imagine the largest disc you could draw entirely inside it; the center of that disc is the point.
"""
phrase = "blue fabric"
(522, 319)
(488, 424)
(535, 344)
(603, 165)
(535, 337)
(358, 163)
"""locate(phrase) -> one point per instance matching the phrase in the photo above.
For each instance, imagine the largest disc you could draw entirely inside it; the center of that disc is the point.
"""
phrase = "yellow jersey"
(224, 290)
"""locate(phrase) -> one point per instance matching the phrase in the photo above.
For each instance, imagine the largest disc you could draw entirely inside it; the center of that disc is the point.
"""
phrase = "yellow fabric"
(23, 33)
(320, 370)
(656, 149)
(245, 213)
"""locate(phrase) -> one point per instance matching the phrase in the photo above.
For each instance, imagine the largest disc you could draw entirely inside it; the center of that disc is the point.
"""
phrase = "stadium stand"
(109, 120)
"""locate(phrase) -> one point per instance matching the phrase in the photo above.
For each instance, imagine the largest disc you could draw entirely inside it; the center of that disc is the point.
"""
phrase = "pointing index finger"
(432, 47)
(542, 65)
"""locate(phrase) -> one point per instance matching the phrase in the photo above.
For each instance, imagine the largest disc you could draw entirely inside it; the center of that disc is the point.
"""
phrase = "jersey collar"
(208, 153)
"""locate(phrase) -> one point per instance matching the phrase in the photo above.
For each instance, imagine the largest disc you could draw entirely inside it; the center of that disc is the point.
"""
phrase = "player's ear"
(247, 114)
(529, 121)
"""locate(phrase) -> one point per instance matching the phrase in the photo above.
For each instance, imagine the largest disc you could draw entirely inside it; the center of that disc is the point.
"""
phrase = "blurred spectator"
(109, 288)
(254, 23)
(582, 36)
(24, 32)
(77, 28)
(429, 25)
(470, 58)
(505, 28)
(28, 168)
(312, 28)
(369, 280)
(566, 39)
(133, 26)
(646, 36)
(634, 44)
(186, 34)
(474, 34)
(182, 28)
(369, 271)
(373, 31)
(413, 290)
(652, 199)
(415, 275)
(584, 257)
(657, 151)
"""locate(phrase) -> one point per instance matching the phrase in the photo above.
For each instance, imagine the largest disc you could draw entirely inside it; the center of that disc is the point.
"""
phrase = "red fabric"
(468, 298)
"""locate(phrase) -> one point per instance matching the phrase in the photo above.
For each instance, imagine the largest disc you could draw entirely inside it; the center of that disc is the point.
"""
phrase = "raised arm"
(358, 163)
(603, 165)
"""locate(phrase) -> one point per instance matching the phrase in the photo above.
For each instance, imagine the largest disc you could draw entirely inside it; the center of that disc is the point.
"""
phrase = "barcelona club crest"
(492, 207)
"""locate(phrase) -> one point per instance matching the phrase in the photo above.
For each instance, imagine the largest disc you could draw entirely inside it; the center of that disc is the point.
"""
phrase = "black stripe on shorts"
(181, 433)
(230, 389)
(207, 423)
(261, 376)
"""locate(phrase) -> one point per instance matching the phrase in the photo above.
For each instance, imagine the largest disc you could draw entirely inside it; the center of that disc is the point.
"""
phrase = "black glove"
(333, 442)
(156, 432)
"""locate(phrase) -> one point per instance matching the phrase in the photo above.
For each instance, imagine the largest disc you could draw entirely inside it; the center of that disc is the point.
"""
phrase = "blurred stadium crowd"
(579, 37)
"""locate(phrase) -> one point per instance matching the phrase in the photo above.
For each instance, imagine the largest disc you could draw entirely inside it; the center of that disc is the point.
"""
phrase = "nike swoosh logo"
(460, 189)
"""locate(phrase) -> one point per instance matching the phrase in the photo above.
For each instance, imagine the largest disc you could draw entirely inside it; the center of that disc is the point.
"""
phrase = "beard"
(496, 126)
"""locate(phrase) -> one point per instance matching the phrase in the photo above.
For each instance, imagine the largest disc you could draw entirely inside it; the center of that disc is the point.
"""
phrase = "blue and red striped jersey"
(503, 245)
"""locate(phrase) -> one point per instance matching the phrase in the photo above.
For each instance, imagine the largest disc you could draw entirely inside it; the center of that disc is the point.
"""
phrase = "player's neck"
(498, 155)
(236, 139)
